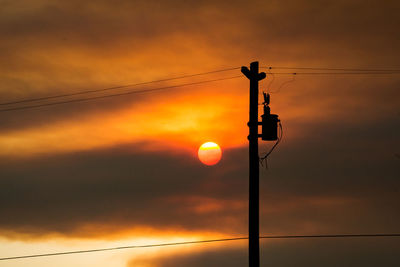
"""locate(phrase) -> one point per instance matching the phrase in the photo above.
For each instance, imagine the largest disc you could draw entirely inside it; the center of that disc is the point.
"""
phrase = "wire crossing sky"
(120, 94)
(200, 242)
(332, 69)
(118, 87)
(345, 71)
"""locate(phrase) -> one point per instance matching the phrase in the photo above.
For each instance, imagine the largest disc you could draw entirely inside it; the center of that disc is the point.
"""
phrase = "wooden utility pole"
(254, 245)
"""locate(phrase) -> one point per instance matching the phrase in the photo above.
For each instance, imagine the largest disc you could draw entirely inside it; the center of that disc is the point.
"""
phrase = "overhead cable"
(12, 108)
(332, 69)
(118, 94)
(202, 241)
(116, 87)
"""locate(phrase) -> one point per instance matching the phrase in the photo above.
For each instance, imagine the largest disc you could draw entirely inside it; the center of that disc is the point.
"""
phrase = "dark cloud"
(335, 181)
(115, 186)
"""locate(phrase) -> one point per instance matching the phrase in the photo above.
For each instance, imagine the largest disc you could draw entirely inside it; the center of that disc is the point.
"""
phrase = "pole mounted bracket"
(251, 75)
(261, 76)
(246, 72)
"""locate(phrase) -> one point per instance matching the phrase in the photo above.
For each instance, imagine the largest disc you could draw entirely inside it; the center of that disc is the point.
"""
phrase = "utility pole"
(254, 245)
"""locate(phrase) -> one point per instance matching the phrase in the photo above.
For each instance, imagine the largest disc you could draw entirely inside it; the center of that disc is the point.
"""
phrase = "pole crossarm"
(251, 75)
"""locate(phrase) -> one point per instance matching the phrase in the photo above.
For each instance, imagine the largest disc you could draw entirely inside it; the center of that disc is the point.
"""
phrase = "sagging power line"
(118, 94)
(200, 242)
(337, 73)
(332, 71)
(116, 87)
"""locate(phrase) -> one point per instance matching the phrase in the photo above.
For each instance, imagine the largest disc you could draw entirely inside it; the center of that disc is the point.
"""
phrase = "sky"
(124, 170)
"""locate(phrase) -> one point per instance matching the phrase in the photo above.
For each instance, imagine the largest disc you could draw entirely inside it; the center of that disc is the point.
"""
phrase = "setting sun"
(209, 153)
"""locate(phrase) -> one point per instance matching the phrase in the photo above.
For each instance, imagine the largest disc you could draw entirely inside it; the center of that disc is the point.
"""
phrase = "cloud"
(121, 188)
(336, 186)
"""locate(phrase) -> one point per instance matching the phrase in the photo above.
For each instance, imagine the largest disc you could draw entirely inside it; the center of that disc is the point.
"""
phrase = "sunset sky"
(124, 170)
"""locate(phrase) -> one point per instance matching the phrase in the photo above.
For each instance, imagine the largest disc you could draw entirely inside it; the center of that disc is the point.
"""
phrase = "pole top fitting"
(252, 73)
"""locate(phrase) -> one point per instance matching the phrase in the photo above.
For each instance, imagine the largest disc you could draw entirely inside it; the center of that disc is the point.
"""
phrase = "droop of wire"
(200, 242)
(116, 87)
(338, 73)
(60, 98)
(264, 159)
(119, 94)
(284, 84)
(332, 69)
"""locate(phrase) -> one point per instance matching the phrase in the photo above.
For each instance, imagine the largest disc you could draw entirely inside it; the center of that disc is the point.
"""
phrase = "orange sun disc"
(209, 153)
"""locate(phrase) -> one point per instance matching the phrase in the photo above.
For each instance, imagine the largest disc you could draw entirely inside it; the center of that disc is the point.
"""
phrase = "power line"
(116, 87)
(199, 242)
(337, 73)
(351, 71)
(118, 94)
(166, 87)
(332, 69)
(124, 247)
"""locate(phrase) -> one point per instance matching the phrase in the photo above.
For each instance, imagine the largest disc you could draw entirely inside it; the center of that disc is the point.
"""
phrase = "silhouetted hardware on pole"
(269, 122)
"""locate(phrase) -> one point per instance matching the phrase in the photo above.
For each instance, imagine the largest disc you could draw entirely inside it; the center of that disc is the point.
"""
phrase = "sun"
(209, 153)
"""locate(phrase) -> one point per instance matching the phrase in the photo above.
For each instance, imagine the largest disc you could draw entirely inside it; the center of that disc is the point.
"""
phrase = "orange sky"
(124, 170)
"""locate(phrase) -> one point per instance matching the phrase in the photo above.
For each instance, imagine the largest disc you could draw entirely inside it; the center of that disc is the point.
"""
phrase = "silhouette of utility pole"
(254, 245)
